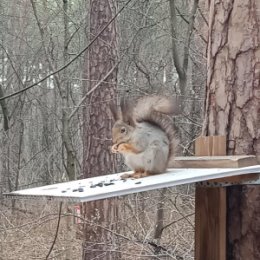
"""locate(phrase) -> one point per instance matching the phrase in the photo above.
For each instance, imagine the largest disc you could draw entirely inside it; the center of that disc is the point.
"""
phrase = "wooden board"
(237, 161)
(210, 146)
(211, 205)
(210, 223)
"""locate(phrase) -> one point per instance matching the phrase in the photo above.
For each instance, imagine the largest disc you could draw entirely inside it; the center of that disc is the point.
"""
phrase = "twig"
(188, 36)
(92, 89)
(12, 65)
(72, 60)
(4, 109)
(203, 17)
(56, 234)
(175, 53)
(175, 221)
(186, 21)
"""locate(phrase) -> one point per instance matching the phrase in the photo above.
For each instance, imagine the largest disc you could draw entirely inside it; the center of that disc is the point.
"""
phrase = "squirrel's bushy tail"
(156, 110)
(147, 104)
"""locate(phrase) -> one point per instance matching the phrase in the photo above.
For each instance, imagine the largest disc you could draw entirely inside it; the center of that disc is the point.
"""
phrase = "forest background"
(57, 71)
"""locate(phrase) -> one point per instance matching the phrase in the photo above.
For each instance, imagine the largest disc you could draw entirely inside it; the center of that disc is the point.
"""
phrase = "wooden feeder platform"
(107, 186)
(210, 168)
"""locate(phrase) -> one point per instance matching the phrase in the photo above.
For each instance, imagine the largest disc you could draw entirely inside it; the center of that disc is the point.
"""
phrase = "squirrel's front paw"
(127, 148)
(119, 148)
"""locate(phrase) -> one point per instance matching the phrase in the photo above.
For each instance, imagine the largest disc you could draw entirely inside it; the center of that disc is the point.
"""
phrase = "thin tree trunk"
(181, 62)
(98, 160)
(4, 110)
(65, 90)
(159, 222)
(69, 158)
(233, 109)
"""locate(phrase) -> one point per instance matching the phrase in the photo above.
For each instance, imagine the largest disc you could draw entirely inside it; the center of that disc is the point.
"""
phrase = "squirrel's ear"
(126, 107)
(114, 111)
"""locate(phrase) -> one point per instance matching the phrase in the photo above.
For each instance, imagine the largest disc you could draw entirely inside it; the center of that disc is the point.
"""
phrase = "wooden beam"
(210, 223)
(237, 161)
(210, 208)
(209, 152)
(210, 145)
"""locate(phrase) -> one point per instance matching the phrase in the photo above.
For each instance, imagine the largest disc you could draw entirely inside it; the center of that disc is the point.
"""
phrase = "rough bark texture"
(102, 56)
(233, 109)
(243, 223)
(98, 160)
(233, 91)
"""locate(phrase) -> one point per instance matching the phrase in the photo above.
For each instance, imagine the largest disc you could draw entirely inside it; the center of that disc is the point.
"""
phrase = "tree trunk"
(232, 109)
(98, 159)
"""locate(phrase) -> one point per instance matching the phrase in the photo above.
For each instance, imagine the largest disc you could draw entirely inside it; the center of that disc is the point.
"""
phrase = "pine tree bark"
(233, 109)
(98, 159)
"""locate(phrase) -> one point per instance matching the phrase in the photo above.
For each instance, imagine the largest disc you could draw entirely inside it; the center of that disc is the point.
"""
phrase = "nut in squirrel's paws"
(120, 148)
(114, 148)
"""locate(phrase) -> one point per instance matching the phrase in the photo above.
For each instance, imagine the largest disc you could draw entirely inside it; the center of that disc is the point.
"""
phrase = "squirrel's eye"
(123, 130)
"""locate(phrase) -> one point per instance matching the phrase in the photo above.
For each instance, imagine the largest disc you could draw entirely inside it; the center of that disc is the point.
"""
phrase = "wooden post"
(210, 207)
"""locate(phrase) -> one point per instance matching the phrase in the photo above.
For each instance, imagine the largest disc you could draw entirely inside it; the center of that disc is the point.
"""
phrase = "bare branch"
(56, 233)
(181, 65)
(4, 109)
(93, 89)
(186, 21)
(175, 53)
(203, 16)
(12, 65)
(72, 60)
(188, 36)
(179, 219)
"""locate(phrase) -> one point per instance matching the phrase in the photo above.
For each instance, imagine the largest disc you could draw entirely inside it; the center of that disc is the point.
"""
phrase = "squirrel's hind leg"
(135, 175)
(155, 160)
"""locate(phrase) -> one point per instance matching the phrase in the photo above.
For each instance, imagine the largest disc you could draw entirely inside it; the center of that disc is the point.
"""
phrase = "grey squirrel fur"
(145, 135)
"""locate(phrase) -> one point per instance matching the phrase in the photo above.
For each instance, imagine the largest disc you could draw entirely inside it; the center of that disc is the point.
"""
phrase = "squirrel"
(144, 134)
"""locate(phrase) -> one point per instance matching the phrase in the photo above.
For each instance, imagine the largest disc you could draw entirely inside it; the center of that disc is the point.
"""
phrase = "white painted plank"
(86, 189)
